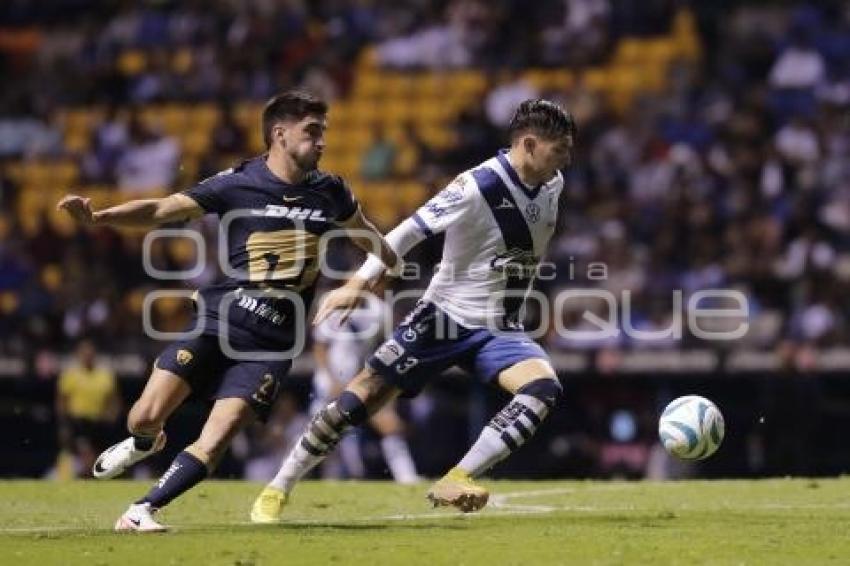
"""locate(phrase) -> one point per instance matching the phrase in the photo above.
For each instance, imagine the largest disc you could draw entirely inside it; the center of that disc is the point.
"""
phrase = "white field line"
(330, 522)
(496, 502)
(499, 506)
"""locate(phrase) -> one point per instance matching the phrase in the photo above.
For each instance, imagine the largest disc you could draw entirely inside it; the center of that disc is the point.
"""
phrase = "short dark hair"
(287, 105)
(543, 118)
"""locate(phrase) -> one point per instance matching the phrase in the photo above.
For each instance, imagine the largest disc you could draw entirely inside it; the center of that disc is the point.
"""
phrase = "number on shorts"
(265, 393)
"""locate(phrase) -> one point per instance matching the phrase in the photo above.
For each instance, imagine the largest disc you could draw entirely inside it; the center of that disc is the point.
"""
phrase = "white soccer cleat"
(117, 458)
(139, 518)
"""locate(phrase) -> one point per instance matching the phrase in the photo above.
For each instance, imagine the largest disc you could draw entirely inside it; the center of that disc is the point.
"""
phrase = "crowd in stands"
(735, 174)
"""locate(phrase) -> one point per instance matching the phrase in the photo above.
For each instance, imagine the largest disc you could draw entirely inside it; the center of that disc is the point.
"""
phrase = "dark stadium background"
(713, 152)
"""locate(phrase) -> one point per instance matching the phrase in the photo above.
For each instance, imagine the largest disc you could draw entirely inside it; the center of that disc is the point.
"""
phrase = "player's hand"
(342, 300)
(79, 208)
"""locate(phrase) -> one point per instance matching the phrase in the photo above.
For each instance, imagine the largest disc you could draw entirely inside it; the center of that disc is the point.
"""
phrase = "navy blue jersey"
(272, 229)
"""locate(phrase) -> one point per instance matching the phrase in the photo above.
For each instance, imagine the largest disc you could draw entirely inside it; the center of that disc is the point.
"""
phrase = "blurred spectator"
(580, 33)
(799, 66)
(797, 143)
(27, 136)
(477, 139)
(462, 36)
(319, 81)
(110, 139)
(379, 157)
(438, 47)
(87, 408)
(227, 137)
(508, 92)
(8, 192)
(149, 162)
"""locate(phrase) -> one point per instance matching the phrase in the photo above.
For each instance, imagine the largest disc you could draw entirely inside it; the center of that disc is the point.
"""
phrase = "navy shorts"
(213, 375)
(428, 342)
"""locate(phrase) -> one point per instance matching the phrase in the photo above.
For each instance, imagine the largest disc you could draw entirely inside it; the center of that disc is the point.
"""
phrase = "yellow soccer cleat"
(458, 489)
(268, 507)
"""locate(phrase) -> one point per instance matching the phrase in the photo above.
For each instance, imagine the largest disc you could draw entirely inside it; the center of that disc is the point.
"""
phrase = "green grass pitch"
(780, 521)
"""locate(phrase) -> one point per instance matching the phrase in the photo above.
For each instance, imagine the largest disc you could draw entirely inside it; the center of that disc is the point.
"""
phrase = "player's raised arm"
(140, 213)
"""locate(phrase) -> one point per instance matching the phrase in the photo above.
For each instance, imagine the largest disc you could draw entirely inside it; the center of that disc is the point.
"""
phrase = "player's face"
(305, 141)
(549, 156)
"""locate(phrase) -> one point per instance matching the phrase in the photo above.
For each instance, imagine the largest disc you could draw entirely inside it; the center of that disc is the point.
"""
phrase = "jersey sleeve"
(212, 193)
(447, 207)
(344, 203)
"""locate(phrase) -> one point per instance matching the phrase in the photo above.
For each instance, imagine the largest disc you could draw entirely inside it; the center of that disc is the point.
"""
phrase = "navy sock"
(183, 474)
(143, 442)
(352, 408)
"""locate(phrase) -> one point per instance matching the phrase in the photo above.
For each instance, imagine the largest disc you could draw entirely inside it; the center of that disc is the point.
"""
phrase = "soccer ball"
(691, 428)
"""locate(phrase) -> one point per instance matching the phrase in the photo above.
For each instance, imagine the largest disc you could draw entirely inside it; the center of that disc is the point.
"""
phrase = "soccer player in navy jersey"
(274, 209)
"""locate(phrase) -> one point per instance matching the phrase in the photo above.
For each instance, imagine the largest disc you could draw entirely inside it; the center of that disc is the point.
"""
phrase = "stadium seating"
(430, 101)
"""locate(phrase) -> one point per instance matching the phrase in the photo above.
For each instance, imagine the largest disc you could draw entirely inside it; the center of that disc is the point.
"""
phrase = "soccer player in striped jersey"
(498, 219)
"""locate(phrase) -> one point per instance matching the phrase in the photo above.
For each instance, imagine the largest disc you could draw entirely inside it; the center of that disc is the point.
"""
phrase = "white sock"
(398, 458)
(320, 438)
(488, 450)
(295, 466)
(505, 432)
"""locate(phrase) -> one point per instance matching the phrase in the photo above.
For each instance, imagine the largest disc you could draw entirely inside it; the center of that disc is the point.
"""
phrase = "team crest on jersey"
(532, 211)
(184, 357)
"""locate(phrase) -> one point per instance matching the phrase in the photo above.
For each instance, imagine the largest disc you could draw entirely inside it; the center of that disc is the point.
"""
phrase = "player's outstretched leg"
(163, 393)
(365, 394)
(505, 432)
(191, 466)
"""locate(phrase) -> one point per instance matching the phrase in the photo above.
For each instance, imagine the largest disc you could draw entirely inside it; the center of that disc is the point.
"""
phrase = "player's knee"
(547, 389)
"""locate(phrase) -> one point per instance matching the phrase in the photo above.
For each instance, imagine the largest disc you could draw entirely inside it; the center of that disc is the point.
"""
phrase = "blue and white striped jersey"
(497, 230)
